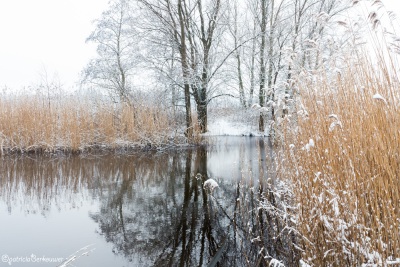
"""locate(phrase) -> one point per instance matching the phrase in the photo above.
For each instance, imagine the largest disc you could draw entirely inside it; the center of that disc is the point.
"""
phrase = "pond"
(147, 209)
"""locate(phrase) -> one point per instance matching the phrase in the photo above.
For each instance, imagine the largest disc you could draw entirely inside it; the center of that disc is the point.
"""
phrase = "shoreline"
(102, 149)
(99, 149)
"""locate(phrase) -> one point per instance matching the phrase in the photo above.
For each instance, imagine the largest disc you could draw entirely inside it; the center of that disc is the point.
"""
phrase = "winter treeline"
(193, 51)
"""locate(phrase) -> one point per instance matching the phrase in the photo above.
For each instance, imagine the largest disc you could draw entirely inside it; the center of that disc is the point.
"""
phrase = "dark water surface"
(147, 209)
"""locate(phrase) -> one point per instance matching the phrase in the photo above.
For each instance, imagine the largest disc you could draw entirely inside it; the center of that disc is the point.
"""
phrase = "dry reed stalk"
(346, 180)
(33, 123)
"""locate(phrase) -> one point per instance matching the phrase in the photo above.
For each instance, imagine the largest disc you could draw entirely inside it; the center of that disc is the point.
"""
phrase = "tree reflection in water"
(157, 212)
(154, 210)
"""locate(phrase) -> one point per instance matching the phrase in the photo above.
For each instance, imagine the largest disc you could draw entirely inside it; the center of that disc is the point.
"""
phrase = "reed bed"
(36, 123)
(344, 164)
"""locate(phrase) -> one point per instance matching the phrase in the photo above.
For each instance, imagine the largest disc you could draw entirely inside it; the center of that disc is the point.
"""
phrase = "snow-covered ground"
(235, 123)
(222, 126)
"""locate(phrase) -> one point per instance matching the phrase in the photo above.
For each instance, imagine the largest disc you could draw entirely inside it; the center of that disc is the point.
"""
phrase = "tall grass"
(75, 123)
(347, 178)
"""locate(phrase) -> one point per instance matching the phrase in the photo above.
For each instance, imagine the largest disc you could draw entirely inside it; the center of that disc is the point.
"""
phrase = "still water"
(147, 209)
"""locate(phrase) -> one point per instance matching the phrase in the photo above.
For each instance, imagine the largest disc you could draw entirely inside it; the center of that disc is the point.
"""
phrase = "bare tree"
(170, 18)
(193, 26)
(285, 33)
(309, 26)
(269, 21)
(238, 36)
(206, 38)
(117, 40)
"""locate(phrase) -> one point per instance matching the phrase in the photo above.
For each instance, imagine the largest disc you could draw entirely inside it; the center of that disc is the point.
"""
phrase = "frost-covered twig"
(77, 254)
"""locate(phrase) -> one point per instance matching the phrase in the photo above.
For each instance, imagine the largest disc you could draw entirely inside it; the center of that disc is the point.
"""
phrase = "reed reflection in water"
(151, 209)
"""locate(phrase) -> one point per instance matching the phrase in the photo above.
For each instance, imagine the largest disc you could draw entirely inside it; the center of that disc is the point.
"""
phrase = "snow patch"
(210, 184)
(276, 263)
(225, 127)
(379, 97)
(304, 264)
(309, 145)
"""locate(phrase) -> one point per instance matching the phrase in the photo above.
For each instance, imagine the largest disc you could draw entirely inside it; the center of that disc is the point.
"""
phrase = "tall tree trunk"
(261, 96)
(238, 60)
(271, 86)
(202, 116)
(241, 87)
(207, 36)
(202, 103)
(252, 66)
(185, 71)
(174, 96)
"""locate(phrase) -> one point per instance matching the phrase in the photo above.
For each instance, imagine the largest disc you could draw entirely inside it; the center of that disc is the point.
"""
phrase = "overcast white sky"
(38, 35)
(45, 34)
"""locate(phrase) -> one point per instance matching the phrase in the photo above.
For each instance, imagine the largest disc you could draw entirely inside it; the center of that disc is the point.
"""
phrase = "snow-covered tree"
(117, 42)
